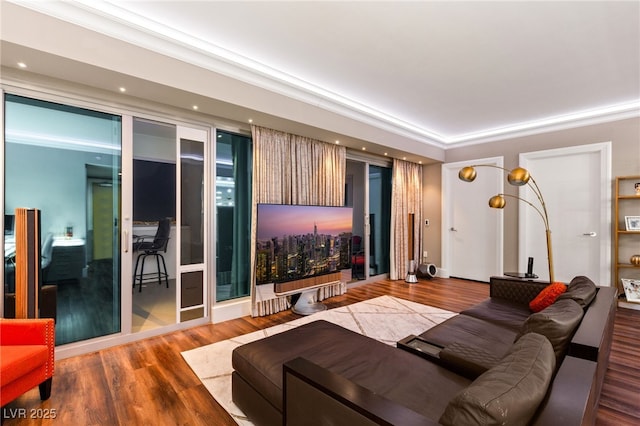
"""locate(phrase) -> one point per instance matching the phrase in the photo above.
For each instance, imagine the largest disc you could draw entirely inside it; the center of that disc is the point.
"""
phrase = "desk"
(67, 260)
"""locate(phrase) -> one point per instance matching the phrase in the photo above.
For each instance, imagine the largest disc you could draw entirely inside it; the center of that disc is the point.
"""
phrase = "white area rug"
(386, 318)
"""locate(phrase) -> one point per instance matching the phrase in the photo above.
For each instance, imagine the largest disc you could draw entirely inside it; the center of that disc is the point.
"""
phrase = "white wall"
(52, 180)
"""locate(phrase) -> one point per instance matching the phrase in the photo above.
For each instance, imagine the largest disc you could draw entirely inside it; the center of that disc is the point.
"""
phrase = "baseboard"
(629, 305)
(232, 309)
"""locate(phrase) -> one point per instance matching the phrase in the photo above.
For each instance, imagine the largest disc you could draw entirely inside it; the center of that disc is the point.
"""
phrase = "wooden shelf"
(627, 203)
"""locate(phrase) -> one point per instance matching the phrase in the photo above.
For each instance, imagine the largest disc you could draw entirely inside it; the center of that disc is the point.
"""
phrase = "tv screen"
(295, 242)
(154, 190)
(9, 224)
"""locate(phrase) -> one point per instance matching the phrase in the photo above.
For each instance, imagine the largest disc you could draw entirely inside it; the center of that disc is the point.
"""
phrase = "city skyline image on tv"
(295, 242)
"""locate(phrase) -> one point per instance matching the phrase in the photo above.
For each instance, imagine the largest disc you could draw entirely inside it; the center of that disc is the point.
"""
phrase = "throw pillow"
(557, 323)
(510, 392)
(582, 290)
(547, 296)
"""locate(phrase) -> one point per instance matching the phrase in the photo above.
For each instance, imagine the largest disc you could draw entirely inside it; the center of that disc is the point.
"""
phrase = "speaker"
(427, 271)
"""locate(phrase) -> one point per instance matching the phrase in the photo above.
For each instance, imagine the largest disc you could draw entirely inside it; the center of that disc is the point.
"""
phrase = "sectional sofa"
(321, 373)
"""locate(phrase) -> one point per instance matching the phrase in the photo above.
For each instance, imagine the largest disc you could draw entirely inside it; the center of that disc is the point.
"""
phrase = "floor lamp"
(516, 177)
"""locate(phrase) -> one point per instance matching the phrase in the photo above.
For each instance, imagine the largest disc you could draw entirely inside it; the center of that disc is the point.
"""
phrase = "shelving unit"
(627, 243)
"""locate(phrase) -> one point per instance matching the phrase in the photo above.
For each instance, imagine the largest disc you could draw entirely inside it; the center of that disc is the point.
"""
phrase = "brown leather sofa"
(321, 373)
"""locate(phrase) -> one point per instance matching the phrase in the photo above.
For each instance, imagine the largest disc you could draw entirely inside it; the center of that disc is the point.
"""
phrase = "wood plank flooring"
(148, 382)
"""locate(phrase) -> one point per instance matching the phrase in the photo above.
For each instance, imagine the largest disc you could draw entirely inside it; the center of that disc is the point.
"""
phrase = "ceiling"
(443, 74)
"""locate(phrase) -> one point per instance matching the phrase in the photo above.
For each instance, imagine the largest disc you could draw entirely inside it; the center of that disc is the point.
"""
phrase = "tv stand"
(308, 303)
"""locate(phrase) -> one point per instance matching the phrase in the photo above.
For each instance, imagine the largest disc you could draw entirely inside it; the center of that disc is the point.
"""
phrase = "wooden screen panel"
(27, 232)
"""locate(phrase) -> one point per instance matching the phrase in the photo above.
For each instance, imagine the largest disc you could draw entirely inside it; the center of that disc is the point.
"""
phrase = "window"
(233, 215)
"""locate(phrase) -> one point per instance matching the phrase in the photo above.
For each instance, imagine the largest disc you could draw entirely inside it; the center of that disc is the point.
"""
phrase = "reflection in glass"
(65, 161)
(192, 202)
(154, 200)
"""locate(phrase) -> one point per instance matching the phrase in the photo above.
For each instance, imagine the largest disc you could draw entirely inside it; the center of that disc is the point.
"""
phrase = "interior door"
(576, 185)
(472, 233)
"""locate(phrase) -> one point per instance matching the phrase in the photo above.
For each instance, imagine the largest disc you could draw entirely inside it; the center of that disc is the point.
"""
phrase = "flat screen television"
(294, 242)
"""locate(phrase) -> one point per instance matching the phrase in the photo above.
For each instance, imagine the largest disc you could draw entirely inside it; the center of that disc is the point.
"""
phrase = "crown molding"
(110, 19)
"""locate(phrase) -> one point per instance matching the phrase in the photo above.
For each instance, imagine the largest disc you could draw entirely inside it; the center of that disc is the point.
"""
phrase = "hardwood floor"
(148, 382)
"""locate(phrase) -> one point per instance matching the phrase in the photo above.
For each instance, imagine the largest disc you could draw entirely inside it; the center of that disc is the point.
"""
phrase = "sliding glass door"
(65, 161)
(368, 191)
(379, 219)
(169, 227)
(153, 255)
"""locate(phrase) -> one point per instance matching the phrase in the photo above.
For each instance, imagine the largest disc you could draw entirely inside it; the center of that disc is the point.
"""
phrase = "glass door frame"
(204, 137)
(183, 131)
(367, 160)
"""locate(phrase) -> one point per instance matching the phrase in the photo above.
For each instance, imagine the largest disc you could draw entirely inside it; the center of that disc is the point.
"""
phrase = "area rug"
(385, 318)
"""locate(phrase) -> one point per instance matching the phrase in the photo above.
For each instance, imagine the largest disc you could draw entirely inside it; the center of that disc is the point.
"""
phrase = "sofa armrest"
(515, 290)
(312, 392)
(595, 332)
(572, 397)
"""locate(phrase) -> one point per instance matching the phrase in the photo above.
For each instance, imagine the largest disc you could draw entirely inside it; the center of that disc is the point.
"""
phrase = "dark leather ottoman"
(392, 373)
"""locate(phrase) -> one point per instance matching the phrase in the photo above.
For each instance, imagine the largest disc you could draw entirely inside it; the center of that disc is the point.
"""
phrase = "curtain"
(290, 169)
(406, 199)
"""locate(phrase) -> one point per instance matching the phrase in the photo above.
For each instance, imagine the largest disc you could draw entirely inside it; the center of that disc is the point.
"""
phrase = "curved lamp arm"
(516, 177)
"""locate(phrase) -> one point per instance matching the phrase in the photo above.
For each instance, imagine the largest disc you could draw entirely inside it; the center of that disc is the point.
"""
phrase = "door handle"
(126, 241)
(590, 234)
(453, 229)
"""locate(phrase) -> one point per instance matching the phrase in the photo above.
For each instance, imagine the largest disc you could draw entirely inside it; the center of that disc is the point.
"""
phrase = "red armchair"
(27, 351)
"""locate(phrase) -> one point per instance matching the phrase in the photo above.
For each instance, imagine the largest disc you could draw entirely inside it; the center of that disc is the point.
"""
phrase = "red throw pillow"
(547, 296)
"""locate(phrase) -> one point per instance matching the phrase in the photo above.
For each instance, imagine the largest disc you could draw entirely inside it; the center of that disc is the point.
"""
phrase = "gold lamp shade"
(467, 174)
(497, 202)
(518, 176)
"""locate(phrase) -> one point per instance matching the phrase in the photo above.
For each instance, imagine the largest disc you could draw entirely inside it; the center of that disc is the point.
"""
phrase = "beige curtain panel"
(290, 169)
(406, 200)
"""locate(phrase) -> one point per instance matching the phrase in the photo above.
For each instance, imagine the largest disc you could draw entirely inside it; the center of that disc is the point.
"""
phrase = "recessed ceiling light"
(22, 65)
(123, 89)
(195, 107)
(420, 162)
(364, 148)
(404, 158)
(386, 154)
(337, 142)
(251, 120)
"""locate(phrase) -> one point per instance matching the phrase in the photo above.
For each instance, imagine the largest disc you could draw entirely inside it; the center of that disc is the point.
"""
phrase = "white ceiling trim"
(115, 21)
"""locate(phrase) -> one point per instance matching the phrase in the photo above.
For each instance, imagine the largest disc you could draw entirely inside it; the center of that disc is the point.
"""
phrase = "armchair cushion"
(27, 356)
(17, 361)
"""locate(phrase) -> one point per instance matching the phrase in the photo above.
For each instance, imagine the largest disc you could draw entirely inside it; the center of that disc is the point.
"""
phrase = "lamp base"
(411, 278)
